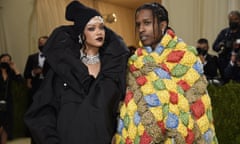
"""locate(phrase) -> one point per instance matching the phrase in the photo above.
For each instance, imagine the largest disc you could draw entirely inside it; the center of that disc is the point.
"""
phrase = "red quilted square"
(128, 97)
(141, 80)
(175, 56)
(184, 85)
(161, 125)
(173, 97)
(132, 68)
(145, 138)
(164, 67)
(190, 137)
(197, 109)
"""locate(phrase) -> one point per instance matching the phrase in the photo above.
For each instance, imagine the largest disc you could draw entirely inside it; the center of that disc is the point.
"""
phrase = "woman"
(78, 100)
(166, 99)
(8, 74)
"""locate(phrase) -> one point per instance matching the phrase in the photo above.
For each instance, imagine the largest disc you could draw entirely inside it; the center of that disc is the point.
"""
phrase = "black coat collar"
(62, 52)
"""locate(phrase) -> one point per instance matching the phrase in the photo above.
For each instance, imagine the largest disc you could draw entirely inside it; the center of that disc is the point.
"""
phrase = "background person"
(210, 62)
(8, 73)
(232, 71)
(33, 71)
(225, 42)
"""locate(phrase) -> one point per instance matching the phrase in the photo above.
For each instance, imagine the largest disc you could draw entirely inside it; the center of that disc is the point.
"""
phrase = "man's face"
(234, 21)
(42, 41)
(202, 46)
(146, 26)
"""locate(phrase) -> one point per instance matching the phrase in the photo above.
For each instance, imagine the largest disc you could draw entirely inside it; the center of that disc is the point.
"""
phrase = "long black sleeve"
(41, 117)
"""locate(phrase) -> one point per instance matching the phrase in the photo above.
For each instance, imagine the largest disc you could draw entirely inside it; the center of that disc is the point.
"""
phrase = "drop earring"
(80, 39)
(163, 30)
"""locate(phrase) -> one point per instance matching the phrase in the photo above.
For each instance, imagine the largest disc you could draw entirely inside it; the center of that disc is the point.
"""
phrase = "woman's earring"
(80, 39)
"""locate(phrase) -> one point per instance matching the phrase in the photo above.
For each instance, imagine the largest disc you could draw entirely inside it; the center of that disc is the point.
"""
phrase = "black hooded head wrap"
(80, 15)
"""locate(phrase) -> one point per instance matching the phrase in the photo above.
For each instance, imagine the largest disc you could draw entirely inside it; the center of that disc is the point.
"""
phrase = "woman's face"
(147, 27)
(94, 33)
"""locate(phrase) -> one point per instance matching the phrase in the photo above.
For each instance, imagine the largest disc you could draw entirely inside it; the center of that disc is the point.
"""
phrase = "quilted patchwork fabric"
(166, 99)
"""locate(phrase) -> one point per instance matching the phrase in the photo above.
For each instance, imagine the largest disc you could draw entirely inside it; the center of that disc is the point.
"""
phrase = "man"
(166, 99)
(210, 62)
(232, 71)
(225, 42)
(33, 72)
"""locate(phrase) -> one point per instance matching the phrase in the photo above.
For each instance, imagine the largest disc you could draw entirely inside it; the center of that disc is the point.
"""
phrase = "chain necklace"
(89, 59)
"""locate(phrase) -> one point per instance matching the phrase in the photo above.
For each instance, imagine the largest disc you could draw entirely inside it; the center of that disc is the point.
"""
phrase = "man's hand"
(37, 71)
(29, 83)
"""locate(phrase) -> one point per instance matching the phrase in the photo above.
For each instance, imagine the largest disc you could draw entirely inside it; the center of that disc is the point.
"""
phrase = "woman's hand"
(14, 68)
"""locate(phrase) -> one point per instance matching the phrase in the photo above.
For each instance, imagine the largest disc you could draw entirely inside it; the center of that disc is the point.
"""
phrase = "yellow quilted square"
(171, 85)
(182, 129)
(174, 109)
(140, 129)
(183, 103)
(190, 122)
(181, 46)
(163, 96)
(203, 124)
(191, 76)
(206, 101)
(139, 62)
(152, 76)
(132, 131)
(165, 40)
(123, 111)
(156, 57)
(188, 59)
(132, 107)
(157, 112)
(147, 89)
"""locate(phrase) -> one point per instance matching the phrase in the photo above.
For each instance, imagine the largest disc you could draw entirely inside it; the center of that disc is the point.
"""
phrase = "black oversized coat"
(72, 107)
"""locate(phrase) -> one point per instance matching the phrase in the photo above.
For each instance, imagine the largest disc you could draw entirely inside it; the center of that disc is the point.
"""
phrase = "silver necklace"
(89, 59)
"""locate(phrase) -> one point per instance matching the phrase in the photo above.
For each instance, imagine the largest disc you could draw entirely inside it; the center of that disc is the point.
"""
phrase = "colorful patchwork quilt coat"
(166, 100)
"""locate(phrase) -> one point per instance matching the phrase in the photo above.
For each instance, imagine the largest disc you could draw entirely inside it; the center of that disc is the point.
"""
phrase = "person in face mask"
(225, 42)
(210, 63)
(8, 73)
(232, 71)
(35, 70)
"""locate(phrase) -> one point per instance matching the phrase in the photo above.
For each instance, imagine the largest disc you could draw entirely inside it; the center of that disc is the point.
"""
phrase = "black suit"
(32, 62)
(36, 80)
(211, 66)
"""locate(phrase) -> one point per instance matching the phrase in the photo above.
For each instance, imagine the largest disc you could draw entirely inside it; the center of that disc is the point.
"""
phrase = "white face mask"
(96, 19)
